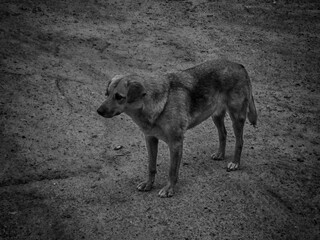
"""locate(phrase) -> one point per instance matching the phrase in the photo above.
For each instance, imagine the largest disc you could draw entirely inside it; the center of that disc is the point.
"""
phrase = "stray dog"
(165, 107)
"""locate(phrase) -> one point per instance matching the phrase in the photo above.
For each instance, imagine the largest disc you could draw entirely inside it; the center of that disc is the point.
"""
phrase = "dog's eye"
(118, 97)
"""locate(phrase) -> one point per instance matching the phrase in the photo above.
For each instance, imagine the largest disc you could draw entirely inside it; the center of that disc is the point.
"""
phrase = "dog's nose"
(99, 111)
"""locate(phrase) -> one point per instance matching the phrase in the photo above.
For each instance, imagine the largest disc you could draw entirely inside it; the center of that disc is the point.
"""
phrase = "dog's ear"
(136, 91)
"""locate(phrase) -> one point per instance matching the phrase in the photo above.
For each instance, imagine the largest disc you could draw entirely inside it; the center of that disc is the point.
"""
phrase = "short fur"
(165, 107)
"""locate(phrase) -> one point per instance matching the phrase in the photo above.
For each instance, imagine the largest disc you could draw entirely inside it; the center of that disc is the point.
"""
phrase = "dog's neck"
(152, 105)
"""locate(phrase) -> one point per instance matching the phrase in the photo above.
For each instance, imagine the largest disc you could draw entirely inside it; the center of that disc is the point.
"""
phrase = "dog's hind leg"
(238, 117)
(152, 147)
(219, 122)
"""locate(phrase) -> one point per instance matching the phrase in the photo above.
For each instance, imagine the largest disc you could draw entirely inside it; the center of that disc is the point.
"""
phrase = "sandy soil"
(60, 177)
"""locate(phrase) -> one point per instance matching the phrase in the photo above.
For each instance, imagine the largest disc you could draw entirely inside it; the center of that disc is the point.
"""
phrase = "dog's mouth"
(116, 113)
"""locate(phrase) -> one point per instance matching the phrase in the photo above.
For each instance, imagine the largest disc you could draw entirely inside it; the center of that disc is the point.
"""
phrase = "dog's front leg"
(152, 147)
(175, 159)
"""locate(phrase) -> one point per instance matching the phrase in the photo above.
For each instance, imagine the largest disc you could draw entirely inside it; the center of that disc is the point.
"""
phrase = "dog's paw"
(232, 166)
(166, 192)
(218, 156)
(145, 186)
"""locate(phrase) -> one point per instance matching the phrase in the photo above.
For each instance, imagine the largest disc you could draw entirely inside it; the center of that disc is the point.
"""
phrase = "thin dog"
(165, 107)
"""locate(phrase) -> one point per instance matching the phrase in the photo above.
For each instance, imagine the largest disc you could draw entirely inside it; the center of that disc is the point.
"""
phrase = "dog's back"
(221, 75)
(210, 88)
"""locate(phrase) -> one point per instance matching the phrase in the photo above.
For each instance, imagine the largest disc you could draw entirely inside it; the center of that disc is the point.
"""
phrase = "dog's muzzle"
(107, 114)
(100, 111)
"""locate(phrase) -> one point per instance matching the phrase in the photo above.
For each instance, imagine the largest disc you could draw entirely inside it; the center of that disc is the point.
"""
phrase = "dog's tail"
(252, 113)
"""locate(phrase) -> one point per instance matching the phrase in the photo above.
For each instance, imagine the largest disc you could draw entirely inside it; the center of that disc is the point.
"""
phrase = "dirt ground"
(60, 175)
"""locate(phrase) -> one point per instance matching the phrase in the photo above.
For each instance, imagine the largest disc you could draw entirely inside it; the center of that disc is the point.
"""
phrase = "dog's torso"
(179, 101)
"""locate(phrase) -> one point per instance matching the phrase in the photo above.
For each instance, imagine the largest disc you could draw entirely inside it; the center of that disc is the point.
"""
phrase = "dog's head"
(123, 93)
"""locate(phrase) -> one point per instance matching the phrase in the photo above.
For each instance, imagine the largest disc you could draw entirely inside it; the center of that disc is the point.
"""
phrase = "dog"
(166, 106)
